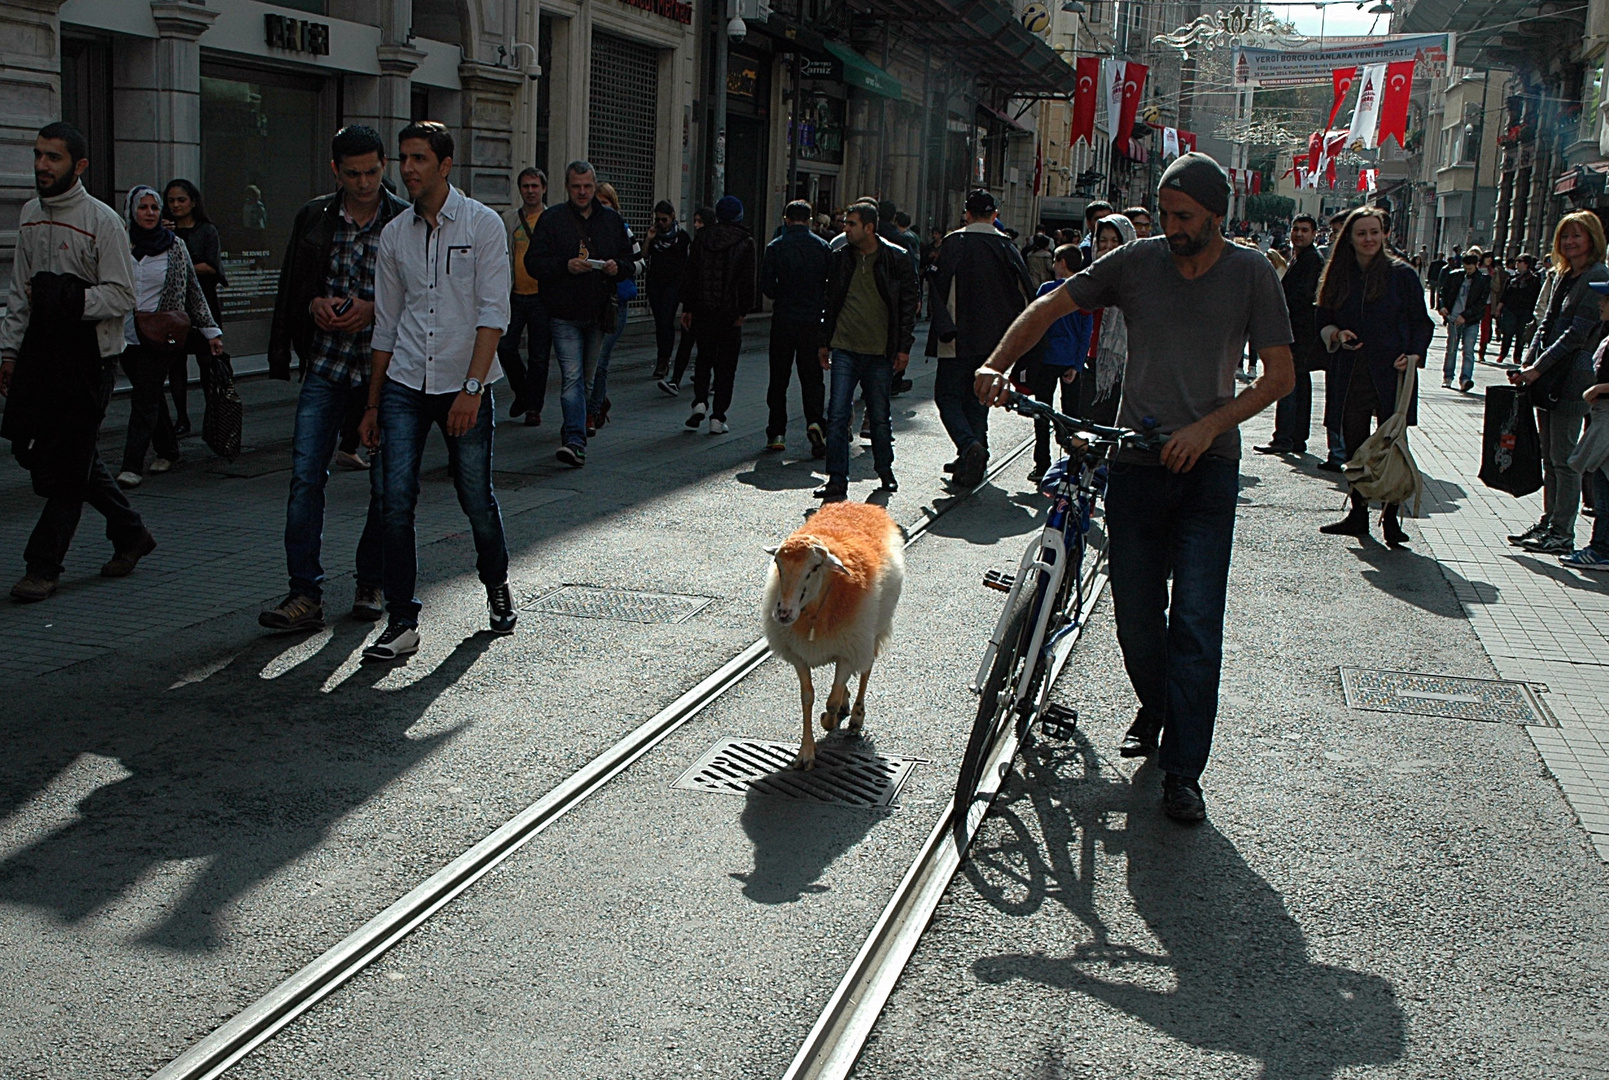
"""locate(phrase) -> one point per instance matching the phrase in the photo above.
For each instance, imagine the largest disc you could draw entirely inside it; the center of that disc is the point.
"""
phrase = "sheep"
(829, 599)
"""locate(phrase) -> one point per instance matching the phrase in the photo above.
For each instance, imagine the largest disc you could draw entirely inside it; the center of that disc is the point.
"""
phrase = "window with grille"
(622, 128)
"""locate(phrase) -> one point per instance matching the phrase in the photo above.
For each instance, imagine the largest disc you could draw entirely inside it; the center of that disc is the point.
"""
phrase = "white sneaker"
(129, 479)
(161, 465)
(699, 409)
(718, 427)
(394, 643)
(352, 460)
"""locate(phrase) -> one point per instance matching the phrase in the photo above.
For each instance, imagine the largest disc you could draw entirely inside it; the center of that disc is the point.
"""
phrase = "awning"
(853, 69)
(985, 40)
(1584, 178)
(1499, 33)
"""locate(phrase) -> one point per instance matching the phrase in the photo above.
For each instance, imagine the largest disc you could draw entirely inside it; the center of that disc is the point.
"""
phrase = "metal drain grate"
(842, 776)
(592, 602)
(1493, 700)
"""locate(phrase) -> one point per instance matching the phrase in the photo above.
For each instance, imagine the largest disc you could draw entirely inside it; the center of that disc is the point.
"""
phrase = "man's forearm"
(480, 362)
(1277, 380)
(378, 364)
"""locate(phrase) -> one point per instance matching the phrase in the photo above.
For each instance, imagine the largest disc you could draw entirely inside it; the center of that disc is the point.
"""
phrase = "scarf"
(1112, 351)
(146, 241)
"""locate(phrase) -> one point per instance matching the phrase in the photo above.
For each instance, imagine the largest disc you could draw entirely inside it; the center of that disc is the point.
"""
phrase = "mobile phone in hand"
(343, 307)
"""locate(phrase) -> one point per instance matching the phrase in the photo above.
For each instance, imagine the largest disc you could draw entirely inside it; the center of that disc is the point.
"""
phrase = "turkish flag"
(1256, 182)
(1187, 141)
(1342, 79)
(1133, 85)
(1363, 179)
(1089, 81)
(1394, 102)
(1315, 150)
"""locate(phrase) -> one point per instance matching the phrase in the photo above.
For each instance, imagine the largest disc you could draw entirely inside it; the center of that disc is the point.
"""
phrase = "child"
(1066, 347)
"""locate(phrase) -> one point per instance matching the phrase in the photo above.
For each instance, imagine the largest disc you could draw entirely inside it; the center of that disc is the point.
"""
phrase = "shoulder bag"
(162, 331)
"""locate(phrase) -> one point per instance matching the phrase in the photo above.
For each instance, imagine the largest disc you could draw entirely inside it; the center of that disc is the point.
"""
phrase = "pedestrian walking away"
(665, 251)
(324, 312)
(165, 284)
(1515, 310)
(1559, 370)
(72, 286)
(1464, 292)
(189, 222)
(979, 286)
(718, 292)
(1192, 301)
(527, 316)
(1064, 358)
(867, 331)
(793, 273)
(672, 384)
(579, 253)
(597, 379)
(1102, 386)
(1293, 416)
(1497, 277)
(441, 288)
(1374, 325)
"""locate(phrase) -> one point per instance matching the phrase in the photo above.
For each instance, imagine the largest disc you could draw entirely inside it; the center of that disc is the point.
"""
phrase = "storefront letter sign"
(297, 35)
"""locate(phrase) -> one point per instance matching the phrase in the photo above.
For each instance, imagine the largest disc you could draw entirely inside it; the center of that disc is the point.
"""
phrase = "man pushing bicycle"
(1191, 301)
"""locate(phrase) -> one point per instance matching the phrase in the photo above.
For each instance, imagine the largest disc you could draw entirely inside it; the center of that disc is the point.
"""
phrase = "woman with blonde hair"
(1372, 318)
(1567, 332)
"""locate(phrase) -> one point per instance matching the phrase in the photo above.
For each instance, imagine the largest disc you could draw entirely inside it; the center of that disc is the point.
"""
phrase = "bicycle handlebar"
(1071, 425)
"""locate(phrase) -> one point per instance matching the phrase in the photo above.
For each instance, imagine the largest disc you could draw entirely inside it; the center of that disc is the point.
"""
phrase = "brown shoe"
(295, 612)
(122, 564)
(33, 588)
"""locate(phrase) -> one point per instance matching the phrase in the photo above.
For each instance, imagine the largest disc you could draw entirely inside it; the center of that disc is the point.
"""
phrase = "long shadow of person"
(1420, 580)
(796, 840)
(1232, 972)
(243, 772)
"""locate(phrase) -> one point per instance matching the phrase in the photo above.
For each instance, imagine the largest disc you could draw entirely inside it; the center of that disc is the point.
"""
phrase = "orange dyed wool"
(860, 535)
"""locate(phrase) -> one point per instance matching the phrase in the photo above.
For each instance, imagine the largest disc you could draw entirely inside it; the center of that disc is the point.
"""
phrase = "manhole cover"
(843, 776)
(592, 602)
(1495, 700)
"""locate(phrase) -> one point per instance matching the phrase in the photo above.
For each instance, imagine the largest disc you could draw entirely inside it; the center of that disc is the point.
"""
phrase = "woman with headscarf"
(1373, 321)
(190, 223)
(1101, 385)
(164, 280)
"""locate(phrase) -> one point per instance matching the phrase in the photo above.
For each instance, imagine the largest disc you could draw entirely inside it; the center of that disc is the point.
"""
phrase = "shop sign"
(670, 9)
(297, 35)
(743, 79)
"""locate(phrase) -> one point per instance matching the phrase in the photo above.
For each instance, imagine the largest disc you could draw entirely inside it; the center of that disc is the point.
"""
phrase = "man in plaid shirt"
(325, 311)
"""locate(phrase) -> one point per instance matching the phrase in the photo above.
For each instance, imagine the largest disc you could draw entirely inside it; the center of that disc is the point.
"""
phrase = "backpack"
(1383, 468)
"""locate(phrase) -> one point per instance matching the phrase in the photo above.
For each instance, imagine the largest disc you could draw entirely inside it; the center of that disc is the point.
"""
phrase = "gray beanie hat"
(1203, 179)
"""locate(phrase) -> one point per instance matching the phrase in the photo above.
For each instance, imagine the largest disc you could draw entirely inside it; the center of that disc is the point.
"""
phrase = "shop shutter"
(622, 125)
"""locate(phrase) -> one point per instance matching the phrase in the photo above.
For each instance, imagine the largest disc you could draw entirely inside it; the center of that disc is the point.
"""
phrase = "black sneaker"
(501, 601)
(1535, 532)
(1551, 543)
(831, 492)
(951, 466)
(1181, 799)
(659, 372)
(1037, 473)
(395, 641)
(818, 441)
(1328, 465)
(1274, 448)
(889, 484)
(572, 455)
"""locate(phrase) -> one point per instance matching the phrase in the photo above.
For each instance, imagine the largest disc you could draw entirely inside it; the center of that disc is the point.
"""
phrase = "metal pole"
(795, 124)
(722, 63)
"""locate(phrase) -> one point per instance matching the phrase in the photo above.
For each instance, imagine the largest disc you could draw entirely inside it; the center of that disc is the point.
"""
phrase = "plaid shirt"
(345, 358)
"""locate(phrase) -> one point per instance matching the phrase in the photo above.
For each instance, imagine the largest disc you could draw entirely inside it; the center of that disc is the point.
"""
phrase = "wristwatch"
(473, 387)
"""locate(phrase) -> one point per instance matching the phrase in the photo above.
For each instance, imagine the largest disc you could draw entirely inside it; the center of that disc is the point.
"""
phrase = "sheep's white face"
(802, 574)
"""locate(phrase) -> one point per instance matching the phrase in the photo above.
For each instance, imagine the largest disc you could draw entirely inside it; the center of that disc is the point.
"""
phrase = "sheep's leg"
(837, 700)
(807, 698)
(857, 718)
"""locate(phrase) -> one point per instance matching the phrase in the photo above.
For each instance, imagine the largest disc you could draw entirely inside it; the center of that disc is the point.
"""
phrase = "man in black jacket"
(325, 309)
(794, 274)
(666, 255)
(1464, 292)
(980, 285)
(717, 292)
(1293, 416)
(866, 335)
(579, 252)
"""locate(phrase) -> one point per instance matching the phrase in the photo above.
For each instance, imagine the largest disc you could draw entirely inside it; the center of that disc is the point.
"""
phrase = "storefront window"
(264, 144)
(1591, 97)
(821, 129)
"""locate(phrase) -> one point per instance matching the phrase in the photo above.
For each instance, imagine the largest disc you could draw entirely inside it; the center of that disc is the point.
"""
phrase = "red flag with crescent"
(1394, 101)
(1256, 182)
(1315, 150)
(1342, 78)
(1089, 80)
(1133, 85)
(1187, 141)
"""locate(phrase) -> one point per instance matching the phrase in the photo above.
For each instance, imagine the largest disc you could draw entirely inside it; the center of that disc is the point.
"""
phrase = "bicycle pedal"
(999, 580)
(1059, 722)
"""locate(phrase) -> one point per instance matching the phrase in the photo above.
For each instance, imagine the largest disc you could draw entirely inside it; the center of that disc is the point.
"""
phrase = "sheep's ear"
(772, 551)
(833, 562)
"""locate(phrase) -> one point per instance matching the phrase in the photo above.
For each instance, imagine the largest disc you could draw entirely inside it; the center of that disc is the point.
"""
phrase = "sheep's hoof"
(803, 763)
(829, 720)
(857, 719)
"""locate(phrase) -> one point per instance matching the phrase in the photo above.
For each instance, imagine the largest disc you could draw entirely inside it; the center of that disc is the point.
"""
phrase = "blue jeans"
(1468, 334)
(875, 374)
(406, 416)
(1179, 524)
(321, 409)
(576, 344)
(599, 380)
(1293, 415)
(965, 418)
(527, 316)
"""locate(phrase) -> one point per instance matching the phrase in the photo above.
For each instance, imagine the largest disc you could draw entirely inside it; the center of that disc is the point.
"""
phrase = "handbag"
(1383, 468)
(1511, 454)
(225, 418)
(162, 331)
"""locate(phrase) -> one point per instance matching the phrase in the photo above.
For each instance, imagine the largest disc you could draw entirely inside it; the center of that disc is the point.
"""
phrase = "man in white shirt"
(440, 307)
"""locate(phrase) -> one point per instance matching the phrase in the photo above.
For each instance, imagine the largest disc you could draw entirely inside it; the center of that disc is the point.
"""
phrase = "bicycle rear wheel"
(994, 701)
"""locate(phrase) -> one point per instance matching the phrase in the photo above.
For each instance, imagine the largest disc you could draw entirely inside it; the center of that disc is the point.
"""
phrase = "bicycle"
(1045, 601)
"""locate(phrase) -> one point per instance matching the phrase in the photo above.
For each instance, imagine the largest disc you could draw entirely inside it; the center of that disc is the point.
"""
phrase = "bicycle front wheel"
(995, 702)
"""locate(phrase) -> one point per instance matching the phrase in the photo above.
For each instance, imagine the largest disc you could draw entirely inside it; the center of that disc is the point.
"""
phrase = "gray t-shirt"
(1186, 337)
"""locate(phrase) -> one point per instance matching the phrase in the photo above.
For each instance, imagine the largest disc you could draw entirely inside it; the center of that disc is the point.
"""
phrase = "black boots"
(1356, 522)
(1392, 528)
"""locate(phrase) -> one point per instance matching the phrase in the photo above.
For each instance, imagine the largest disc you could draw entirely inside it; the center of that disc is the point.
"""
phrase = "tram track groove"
(229, 1043)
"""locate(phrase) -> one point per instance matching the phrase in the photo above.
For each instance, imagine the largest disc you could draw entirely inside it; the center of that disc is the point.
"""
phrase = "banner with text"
(1304, 67)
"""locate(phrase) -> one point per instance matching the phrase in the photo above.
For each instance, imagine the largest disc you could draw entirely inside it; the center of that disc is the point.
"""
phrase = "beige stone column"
(483, 169)
(30, 98)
